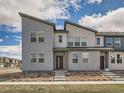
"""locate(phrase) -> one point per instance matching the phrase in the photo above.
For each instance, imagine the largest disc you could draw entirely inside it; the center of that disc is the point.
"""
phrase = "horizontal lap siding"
(93, 64)
(29, 25)
(116, 66)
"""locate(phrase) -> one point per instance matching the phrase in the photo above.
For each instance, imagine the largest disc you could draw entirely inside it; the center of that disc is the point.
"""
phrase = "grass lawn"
(62, 89)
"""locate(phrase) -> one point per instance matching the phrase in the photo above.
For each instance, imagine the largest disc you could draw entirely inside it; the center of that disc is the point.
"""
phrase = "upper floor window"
(75, 57)
(98, 41)
(60, 38)
(37, 36)
(109, 41)
(83, 41)
(77, 41)
(41, 36)
(119, 58)
(117, 42)
(70, 41)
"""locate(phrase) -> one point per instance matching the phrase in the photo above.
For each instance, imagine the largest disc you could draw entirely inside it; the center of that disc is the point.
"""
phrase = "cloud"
(45, 9)
(11, 51)
(112, 21)
(94, 1)
(1, 40)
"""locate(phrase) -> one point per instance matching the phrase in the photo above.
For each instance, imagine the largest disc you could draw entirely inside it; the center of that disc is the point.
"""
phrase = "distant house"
(75, 47)
(10, 62)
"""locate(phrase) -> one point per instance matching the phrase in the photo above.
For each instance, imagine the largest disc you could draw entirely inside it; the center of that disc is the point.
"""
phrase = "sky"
(102, 15)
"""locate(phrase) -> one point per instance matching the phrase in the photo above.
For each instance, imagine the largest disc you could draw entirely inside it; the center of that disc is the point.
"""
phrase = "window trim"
(98, 43)
(60, 38)
(120, 57)
(73, 57)
(107, 41)
(115, 42)
(37, 36)
(82, 56)
(37, 57)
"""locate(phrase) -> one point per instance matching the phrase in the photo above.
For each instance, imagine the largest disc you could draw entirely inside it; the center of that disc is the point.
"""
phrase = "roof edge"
(35, 18)
(84, 27)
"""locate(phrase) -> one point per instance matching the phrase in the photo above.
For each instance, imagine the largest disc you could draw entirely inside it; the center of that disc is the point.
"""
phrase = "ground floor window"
(85, 57)
(37, 57)
(119, 58)
(33, 58)
(112, 59)
(75, 57)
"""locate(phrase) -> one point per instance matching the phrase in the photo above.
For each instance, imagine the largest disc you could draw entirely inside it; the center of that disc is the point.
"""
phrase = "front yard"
(16, 75)
(63, 89)
(86, 76)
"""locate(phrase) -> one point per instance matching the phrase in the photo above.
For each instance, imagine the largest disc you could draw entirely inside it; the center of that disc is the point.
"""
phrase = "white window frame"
(77, 40)
(98, 43)
(31, 57)
(85, 55)
(107, 42)
(73, 57)
(60, 39)
(113, 56)
(38, 36)
(117, 42)
(83, 39)
(71, 40)
(41, 57)
(119, 58)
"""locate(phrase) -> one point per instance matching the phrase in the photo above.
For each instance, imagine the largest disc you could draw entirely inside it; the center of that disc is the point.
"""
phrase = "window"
(83, 41)
(98, 41)
(77, 41)
(85, 57)
(109, 41)
(33, 58)
(33, 37)
(41, 57)
(119, 58)
(112, 59)
(37, 36)
(70, 41)
(75, 58)
(60, 38)
(41, 36)
(117, 42)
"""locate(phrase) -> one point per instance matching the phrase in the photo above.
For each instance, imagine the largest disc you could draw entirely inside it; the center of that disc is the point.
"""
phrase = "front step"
(59, 76)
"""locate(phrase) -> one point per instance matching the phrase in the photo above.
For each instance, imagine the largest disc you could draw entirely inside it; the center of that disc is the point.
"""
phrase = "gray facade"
(74, 48)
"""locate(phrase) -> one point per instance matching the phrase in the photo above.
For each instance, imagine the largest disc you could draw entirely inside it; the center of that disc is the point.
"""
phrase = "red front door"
(59, 62)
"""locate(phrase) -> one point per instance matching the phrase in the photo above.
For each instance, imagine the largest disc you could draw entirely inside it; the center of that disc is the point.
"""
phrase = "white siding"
(28, 26)
(93, 64)
(56, 40)
(79, 32)
(116, 66)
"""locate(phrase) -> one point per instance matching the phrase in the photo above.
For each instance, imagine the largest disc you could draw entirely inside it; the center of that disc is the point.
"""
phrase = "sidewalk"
(62, 82)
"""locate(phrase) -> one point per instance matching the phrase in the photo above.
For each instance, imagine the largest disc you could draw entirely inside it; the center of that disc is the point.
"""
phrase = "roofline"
(75, 24)
(112, 34)
(35, 18)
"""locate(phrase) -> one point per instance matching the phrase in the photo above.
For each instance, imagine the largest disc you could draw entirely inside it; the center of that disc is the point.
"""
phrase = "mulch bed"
(86, 76)
(28, 77)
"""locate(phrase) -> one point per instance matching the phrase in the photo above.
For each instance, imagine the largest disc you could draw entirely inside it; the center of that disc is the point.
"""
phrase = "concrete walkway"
(113, 76)
(61, 83)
